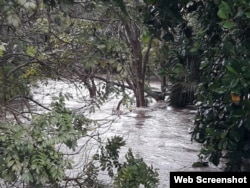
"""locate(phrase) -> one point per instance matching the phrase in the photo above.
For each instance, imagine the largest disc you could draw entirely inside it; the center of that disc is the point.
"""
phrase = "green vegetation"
(43, 40)
(198, 50)
(222, 123)
(28, 152)
(216, 48)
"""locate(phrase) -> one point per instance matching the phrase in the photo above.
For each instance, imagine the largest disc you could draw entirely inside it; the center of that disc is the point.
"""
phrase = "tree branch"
(36, 103)
(146, 57)
(112, 82)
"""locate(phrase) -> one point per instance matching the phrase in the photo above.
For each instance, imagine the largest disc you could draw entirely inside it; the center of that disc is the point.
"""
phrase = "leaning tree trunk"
(138, 64)
(87, 78)
(90, 85)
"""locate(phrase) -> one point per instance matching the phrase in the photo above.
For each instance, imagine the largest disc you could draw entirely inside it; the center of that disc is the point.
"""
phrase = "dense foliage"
(43, 40)
(222, 121)
(216, 40)
(191, 44)
(134, 172)
(29, 152)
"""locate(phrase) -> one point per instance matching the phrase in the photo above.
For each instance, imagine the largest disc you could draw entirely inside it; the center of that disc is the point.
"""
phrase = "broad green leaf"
(119, 67)
(14, 20)
(232, 70)
(224, 10)
(234, 83)
(225, 7)
(222, 14)
(228, 24)
(10, 163)
(30, 5)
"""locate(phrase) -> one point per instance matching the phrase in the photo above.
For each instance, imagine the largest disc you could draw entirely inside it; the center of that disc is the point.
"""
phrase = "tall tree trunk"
(90, 84)
(133, 34)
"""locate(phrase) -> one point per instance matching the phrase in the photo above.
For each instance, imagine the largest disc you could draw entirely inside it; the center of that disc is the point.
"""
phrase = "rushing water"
(159, 134)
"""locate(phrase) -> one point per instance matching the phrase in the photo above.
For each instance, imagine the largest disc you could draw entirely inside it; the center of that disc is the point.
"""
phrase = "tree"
(222, 120)
(173, 23)
(38, 42)
(128, 16)
(29, 152)
(220, 38)
(109, 44)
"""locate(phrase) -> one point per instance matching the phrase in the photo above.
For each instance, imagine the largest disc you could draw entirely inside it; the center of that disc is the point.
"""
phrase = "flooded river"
(160, 134)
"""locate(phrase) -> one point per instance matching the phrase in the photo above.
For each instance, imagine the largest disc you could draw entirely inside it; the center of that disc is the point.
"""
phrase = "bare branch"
(39, 104)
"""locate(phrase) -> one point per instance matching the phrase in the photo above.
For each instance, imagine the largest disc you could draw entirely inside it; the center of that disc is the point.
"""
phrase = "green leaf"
(234, 83)
(224, 10)
(224, 134)
(203, 64)
(179, 68)
(228, 25)
(221, 90)
(222, 14)
(196, 47)
(31, 51)
(27, 177)
(193, 50)
(232, 70)
(119, 67)
(10, 163)
(30, 5)
(225, 7)
(14, 20)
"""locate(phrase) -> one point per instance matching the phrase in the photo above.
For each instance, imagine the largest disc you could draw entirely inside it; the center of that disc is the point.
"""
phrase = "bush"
(222, 122)
(30, 153)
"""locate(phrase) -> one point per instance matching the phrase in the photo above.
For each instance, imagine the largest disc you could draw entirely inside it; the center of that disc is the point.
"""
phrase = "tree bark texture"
(137, 64)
